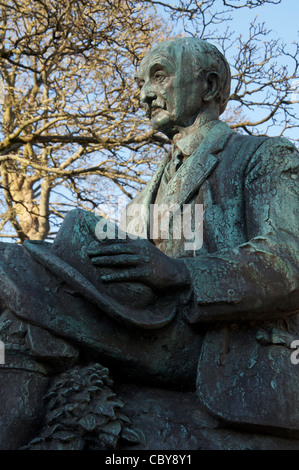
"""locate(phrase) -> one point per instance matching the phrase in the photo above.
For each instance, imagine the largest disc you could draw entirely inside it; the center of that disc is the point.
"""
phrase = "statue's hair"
(204, 57)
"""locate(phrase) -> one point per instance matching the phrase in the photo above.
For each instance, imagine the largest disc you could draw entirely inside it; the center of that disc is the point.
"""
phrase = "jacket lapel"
(149, 192)
(199, 166)
(190, 176)
(145, 198)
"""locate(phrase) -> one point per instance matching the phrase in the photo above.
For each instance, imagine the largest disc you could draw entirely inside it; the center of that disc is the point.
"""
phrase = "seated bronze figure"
(218, 319)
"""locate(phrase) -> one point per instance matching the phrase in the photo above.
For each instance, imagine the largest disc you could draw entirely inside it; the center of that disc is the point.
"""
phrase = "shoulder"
(274, 153)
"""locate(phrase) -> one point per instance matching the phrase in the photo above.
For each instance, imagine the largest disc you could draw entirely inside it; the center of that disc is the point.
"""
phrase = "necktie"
(174, 164)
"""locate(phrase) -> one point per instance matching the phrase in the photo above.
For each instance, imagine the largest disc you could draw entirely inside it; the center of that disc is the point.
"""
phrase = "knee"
(21, 398)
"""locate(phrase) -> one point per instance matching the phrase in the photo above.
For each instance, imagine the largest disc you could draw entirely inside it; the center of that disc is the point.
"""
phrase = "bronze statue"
(219, 317)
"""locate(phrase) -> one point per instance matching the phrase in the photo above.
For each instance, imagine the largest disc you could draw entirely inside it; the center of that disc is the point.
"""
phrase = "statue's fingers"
(119, 260)
(130, 275)
(115, 249)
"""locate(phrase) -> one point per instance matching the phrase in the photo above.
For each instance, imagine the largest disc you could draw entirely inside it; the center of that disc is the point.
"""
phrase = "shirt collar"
(187, 145)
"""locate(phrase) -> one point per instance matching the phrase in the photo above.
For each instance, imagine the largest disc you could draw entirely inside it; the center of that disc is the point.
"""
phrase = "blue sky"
(283, 19)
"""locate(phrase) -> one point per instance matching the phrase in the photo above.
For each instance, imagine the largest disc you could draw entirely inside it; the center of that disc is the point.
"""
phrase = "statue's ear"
(212, 86)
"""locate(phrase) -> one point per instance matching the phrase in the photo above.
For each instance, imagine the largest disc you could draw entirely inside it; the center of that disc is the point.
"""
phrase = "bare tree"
(70, 107)
(72, 133)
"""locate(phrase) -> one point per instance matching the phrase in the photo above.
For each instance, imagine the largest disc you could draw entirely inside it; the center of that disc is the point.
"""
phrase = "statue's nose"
(147, 94)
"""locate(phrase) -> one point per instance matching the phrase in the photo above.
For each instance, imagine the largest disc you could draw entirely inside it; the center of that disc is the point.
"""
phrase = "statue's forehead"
(157, 57)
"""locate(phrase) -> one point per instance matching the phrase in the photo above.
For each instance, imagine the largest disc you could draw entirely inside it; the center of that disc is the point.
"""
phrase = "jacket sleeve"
(257, 280)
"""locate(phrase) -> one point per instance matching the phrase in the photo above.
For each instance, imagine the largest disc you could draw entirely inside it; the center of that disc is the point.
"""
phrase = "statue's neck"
(191, 141)
(196, 127)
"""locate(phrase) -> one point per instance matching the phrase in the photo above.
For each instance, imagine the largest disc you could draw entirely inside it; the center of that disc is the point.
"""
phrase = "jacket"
(244, 278)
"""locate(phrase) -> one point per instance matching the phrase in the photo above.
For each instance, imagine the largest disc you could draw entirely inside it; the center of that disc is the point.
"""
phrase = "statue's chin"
(160, 120)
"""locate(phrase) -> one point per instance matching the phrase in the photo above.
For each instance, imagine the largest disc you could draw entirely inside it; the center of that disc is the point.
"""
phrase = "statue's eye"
(139, 82)
(159, 76)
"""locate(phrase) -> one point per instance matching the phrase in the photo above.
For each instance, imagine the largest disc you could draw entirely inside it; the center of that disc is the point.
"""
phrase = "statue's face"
(170, 91)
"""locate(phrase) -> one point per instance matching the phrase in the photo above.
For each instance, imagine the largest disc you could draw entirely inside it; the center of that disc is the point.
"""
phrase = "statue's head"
(180, 79)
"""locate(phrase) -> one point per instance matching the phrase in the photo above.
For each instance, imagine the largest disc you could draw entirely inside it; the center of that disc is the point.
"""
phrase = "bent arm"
(259, 279)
